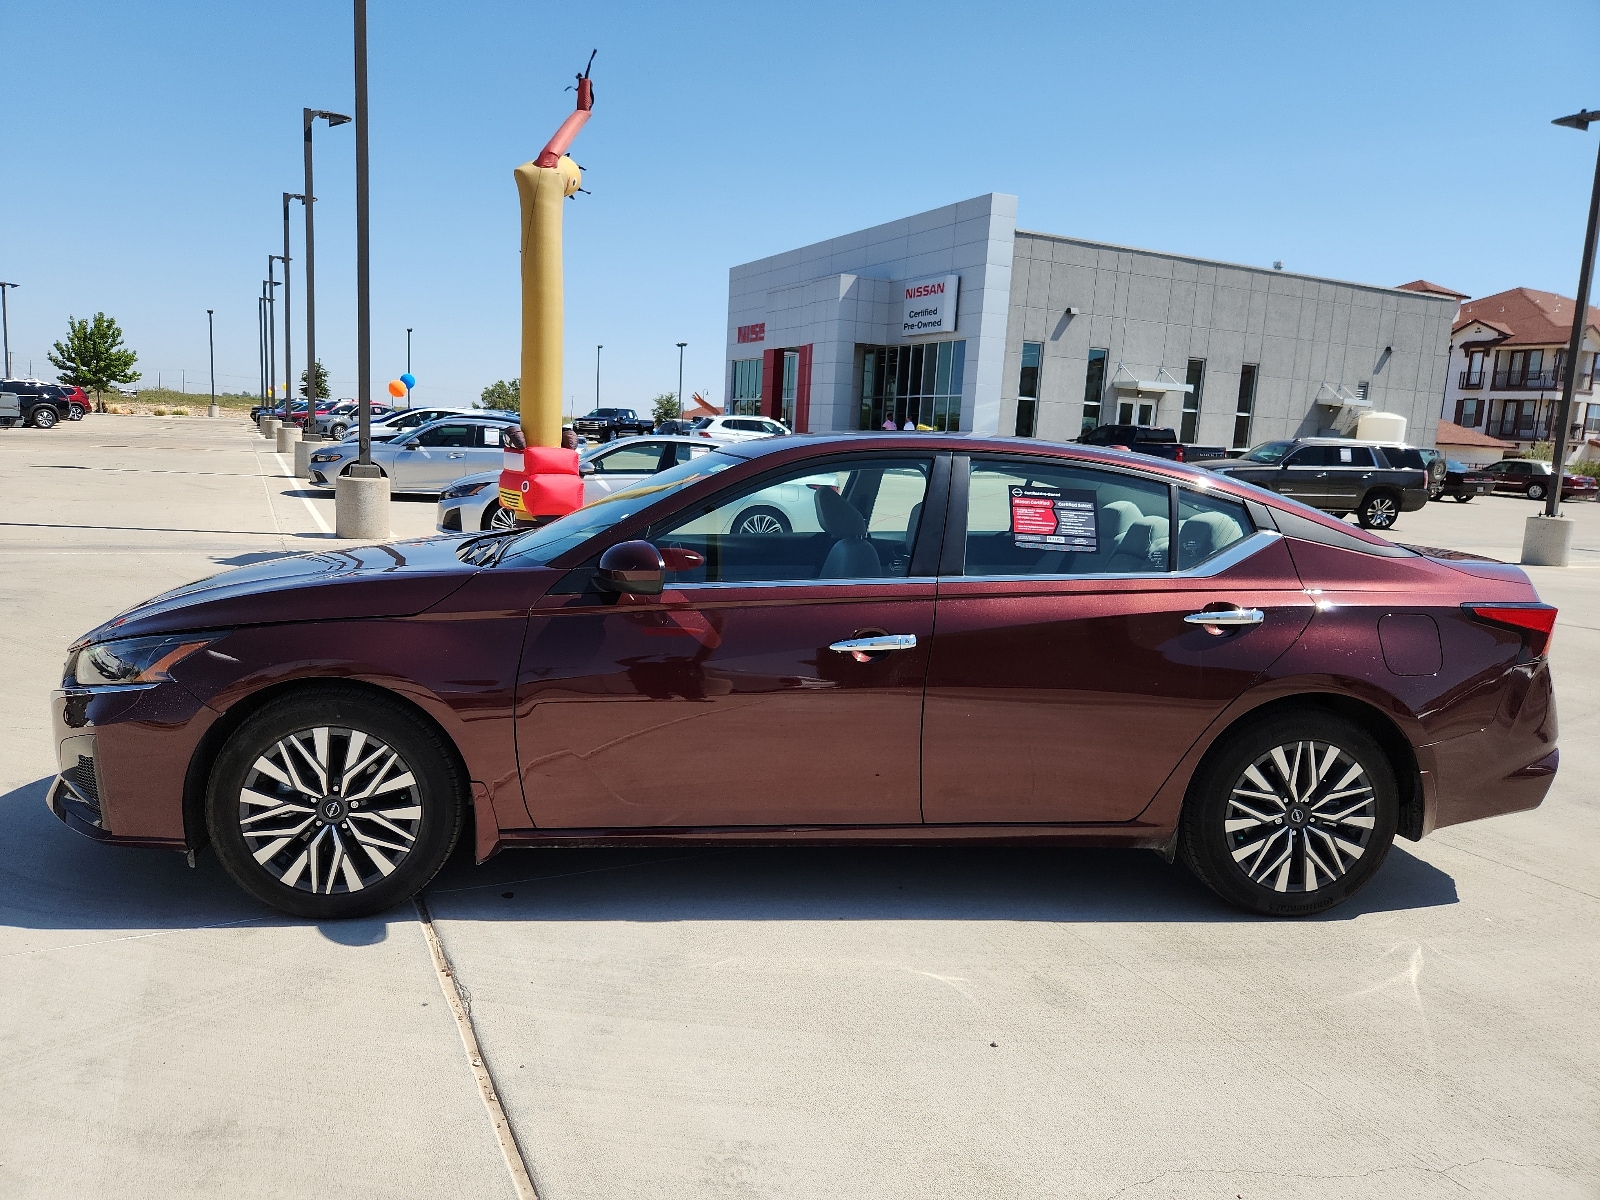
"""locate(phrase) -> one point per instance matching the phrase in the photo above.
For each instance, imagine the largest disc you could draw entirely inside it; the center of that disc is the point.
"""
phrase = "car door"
(1347, 477)
(433, 457)
(614, 470)
(1067, 678)
(752, 691)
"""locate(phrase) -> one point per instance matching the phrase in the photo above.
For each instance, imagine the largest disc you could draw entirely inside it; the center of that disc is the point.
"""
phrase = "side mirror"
(632, 569)
(586, 468)
(411, 445)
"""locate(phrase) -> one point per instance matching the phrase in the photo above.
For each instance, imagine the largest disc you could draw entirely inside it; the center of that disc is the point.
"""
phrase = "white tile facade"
(1149, 310)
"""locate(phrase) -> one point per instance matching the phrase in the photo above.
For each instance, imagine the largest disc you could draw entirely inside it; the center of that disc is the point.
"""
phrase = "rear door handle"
(861, 647)
(1226, 617)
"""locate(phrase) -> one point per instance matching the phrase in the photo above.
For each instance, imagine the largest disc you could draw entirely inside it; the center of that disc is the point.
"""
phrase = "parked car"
(1049, 643)
(1433, 462)
(473, 502)
(677, 426)
(78, 403)
(10, 410)
(346, 415)
(1337, 475)
(1462, 483)
(604, 424)
(738, 429)
(426, 460)
(405, 420)
(1152, 440)
(44, 405)
(1533, 479)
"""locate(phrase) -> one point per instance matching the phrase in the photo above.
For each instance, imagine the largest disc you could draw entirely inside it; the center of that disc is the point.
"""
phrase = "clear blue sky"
(145, 147)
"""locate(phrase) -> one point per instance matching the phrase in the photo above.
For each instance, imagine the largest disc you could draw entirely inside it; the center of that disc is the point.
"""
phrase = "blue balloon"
(409, 380)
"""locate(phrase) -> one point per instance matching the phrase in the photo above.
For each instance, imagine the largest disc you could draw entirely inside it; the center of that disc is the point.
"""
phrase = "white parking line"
(304, 499)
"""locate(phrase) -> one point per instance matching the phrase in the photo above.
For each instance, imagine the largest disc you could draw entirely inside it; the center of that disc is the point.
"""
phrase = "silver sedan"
(473, 503)
(428, 459)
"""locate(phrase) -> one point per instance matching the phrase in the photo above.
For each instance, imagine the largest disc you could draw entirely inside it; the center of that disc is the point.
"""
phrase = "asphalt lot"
(744, 1023)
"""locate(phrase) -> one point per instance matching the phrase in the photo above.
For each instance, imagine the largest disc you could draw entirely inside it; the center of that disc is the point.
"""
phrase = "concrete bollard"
(361, 504)
(1547, 541)
(269, 427)
(213, 411)
(303, 450)
(288, 435)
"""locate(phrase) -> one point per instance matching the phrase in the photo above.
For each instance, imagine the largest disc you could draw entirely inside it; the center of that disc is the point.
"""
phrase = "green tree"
(323, 391)
(665, 407)
(93, 356)
(504, 394)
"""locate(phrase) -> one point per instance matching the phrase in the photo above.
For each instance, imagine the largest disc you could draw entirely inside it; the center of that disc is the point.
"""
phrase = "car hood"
(398, 579)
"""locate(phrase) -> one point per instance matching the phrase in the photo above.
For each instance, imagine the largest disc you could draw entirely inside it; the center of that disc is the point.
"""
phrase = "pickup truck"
(1151, 440)
(1338, 475)
(603, 424)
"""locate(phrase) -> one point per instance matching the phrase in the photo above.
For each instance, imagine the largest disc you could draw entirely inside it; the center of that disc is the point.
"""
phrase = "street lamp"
(308, 117)
(272, 330)
(5, 322)
(597, 350)
(261, 341)
(310, 434)
(211, 342)
(681, 345)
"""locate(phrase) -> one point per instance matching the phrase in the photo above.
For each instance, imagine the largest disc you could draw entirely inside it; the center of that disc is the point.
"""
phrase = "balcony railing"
(1531, 381)
(1471, 379)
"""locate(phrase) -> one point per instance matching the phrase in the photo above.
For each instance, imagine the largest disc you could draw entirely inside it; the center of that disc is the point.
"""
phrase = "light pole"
(5, 323)
(408, 363)
(211, 343)
(681, 345)
(310, 433)
(597, 350)
(272, 333)
(308, 117)
(261, 341)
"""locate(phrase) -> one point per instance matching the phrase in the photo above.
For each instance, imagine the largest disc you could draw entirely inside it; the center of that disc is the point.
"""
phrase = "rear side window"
(1058, 519)
(1208, 525)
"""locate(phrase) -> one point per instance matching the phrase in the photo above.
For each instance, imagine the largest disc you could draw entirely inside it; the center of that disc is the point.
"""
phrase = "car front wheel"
(1536, 491)
(1378, 511)
(339, 430)
(761, 518)
(500, 517)
(333, 804)
(1462, 497)
(44, 418)
(1291, 816)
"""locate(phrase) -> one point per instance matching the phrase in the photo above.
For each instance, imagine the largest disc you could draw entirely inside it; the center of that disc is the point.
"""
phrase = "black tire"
(761, 518)
(44, 417)
(1462, 497)
(1536, 491)
(339, 430)
(499, 517)
(419, 844)
(75, 412)
(1436, 492)
(1224, 791)
(1378, 510)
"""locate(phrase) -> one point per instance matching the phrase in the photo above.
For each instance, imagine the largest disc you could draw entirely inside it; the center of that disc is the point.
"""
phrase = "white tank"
(1381, 427)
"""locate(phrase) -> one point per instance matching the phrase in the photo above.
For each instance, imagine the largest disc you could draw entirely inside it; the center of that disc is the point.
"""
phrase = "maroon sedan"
(1534, 479)
(955, 640)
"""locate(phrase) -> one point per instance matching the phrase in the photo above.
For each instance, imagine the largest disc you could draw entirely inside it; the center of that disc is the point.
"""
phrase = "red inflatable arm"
(557, 146)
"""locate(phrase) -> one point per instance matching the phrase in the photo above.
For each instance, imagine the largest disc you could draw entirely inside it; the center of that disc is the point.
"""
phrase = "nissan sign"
(930, 305)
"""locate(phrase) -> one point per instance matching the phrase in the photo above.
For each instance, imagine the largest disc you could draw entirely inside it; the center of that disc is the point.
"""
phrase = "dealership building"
(957, 319)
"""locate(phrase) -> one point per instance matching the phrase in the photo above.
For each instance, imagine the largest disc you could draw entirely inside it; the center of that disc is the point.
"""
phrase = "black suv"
(603, 424)
(44, 405)
(1339, 476)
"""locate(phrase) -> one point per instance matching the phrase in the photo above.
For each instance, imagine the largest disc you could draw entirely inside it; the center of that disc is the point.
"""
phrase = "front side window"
(1059, 519)
(641, 458)
(449, 436)
(852, 520)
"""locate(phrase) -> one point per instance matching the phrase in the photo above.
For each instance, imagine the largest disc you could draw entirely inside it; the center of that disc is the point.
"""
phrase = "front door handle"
(1214, 620)
(863, 648)
(458, 456)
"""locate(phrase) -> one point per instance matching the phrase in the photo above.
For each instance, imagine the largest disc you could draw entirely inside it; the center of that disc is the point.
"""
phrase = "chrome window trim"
(806, 583)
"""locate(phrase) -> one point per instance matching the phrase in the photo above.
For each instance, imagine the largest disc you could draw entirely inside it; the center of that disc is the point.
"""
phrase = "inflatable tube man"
(542, 481)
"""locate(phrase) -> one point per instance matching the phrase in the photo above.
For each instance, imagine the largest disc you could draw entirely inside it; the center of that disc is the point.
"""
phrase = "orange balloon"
(396, 388)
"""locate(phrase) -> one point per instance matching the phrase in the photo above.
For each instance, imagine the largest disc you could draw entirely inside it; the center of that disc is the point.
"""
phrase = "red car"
(78, 402)
(1531, 478)
(971, 640)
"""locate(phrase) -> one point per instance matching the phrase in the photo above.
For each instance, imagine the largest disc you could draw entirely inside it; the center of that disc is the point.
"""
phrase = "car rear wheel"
(500, 517)
(1436, 492)
(1378, 511)
(1536, 491)
(44, 418)
(75, 412)
(1462, 497)
(1290, 816)
(334, 804)
(761, 518)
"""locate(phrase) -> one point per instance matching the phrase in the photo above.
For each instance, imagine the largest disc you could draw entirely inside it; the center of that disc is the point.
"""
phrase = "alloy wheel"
(1300, 816)
(1380, 512)
(760, 523)
(503, 518)
(1536, 491)
(330, 810)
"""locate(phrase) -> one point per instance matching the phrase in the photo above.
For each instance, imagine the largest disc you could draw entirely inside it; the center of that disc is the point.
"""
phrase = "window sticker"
(1344, 454)
(1052, 518)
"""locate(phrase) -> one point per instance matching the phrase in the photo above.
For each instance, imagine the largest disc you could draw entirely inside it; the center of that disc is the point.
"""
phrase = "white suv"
(738, 429)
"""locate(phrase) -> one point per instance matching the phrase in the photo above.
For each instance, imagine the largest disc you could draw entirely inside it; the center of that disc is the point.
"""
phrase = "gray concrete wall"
(1153, 310)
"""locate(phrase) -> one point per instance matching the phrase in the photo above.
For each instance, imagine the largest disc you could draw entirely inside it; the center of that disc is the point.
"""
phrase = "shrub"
(160, 412)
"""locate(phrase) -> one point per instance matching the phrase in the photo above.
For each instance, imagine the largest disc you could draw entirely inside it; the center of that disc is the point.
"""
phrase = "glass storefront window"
(919, 383)
(1246, 406)
(1196, 379)
(1094, 387)
(744, 399)
(1028, 389)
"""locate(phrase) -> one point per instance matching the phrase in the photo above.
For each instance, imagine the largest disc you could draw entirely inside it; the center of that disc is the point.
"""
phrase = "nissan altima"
(974, 640)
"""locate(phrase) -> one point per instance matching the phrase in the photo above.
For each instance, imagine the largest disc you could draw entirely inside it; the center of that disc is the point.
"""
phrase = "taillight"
(1536, 622)
(1178, 457)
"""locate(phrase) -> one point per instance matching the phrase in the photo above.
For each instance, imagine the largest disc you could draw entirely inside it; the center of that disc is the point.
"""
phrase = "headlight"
(457, 490)
(322, 456)
(134, 660)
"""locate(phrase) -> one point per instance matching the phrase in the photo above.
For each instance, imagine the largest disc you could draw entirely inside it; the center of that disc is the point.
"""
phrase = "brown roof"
(1451, 434)
(1433, 289)
(1533, 318)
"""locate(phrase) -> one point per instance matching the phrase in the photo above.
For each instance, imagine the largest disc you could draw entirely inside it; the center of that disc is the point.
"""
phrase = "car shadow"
(52, 878)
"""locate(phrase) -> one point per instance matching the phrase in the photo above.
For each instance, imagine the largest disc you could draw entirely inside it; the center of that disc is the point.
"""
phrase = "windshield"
(1268, 452)
(1452, 465)
(540, 545)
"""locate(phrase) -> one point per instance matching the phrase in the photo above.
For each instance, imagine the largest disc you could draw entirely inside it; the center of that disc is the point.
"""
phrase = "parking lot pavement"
(791, 1022)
